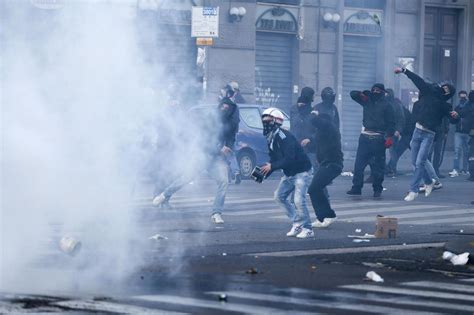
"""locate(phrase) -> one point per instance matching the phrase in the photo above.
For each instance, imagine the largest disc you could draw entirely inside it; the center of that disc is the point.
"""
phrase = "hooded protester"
(300, 123)
(461, 140)
(330, 159)
(428, 115)
(327, 106)
(378, 129)
(466, 113)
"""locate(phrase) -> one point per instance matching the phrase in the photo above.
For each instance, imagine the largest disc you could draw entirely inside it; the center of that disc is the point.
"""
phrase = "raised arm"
(360, 97)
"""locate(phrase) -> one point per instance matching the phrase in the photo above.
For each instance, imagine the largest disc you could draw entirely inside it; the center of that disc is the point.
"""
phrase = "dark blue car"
(251, 146)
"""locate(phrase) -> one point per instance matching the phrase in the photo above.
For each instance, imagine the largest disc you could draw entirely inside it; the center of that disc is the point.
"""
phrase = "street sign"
(205, 22)
(204, 41)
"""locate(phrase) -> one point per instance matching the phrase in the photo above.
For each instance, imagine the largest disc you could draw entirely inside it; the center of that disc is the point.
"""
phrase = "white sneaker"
(305, 233)
(411, 196)
(454, 173)
(158, 200)
(429, 188)
(217, 218)
(295, 230)
(326, 222)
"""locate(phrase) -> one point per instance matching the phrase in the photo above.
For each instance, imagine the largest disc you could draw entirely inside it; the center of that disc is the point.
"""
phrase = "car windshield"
(252, 117)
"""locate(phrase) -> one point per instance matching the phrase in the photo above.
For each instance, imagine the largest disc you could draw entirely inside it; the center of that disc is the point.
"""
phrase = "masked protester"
(330, 159)
(466, 114)
(327, 106)
(428, 115)
(378, 129)
(287, 154)
(300, 123)
(461, 140)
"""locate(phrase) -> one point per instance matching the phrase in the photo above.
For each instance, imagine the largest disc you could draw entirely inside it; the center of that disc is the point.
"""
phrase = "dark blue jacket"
(287, 154)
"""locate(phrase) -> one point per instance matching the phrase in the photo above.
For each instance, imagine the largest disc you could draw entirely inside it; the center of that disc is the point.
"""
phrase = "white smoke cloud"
(77, 102)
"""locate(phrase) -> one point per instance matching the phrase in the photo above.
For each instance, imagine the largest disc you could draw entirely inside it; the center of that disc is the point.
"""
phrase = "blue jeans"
(298, 213)
(420, 144)
(217, 169)
(461, 151)
(430, 171)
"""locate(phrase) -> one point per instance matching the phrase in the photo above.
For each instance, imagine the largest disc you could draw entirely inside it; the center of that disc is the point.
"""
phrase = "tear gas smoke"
(78, 102)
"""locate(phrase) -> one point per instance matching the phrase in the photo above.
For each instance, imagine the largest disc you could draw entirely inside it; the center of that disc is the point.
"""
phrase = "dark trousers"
(371, 150)
(318, 193)
(471, 157)
(396, 153)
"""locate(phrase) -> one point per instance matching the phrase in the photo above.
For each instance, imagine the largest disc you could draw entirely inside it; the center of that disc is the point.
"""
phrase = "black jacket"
(467, 115)
(462, 126)
(328, 138)
(378, 115)
(287, 154)
(329, 109)
(301, 126)
(432, 105)
(409, 125)
(230, 123)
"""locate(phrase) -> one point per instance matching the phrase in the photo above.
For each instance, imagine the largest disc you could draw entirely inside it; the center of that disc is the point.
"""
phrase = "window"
(291, 2)
(251, 117)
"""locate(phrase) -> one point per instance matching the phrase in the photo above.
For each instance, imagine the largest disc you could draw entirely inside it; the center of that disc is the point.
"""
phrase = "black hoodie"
(300, 123)
(467, 114)
(433, 105)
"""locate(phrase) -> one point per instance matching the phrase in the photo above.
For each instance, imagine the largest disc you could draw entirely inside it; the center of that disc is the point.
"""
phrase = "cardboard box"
(386, 227)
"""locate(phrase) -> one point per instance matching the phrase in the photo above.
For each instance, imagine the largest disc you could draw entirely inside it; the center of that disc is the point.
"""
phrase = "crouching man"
(287, 154)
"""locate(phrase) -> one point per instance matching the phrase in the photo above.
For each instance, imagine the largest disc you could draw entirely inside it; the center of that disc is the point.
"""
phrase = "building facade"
(274, 48)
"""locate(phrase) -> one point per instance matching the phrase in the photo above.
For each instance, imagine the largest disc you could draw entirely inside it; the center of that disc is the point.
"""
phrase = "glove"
(388, 142)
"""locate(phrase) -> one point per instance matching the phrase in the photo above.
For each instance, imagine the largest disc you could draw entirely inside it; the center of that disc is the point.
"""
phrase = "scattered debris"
(256, 257)
(157, 237)
(404, 244)
(373, 265)
(347, 174)
(366, 235)
(252, 271)
(224, 254)
(358, 230)
(457, 260)
(222, 297)
(70, 245)
(313, 267)
(386, 227)
(461, 231)
(372, 275)
(360, 240)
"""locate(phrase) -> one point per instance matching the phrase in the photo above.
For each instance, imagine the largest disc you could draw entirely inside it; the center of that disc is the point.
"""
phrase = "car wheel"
(246, 163)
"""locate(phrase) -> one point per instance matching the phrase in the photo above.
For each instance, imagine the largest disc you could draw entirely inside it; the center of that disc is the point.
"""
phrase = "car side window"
(251, 117)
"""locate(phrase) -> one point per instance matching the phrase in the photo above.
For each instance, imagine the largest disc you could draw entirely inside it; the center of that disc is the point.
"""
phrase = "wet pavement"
(248, 265)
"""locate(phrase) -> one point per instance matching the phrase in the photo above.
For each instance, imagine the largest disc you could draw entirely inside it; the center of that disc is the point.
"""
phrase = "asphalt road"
(248, 265)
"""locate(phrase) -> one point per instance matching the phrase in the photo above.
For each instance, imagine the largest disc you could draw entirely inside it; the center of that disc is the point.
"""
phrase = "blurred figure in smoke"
(231, 127)
(403, 143)
(214, 160)
(399, 124)
(466, 113)
(461, 140)
(378, 123)
(287, 154)
(238, 98)
(431, 108)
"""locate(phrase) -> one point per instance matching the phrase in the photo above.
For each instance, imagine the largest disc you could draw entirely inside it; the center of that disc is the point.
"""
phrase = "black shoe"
(441, 175)
(391, 174)
(377, 194)
(354, 192)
